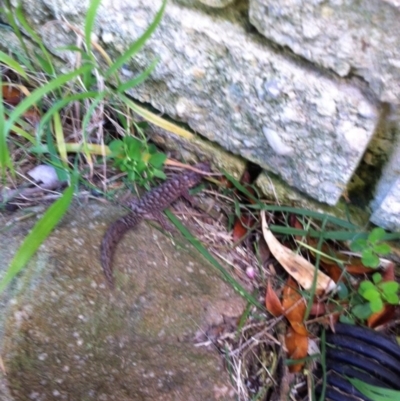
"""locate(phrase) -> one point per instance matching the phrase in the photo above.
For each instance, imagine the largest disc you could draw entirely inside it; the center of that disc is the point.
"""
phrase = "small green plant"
(378, 292)
(141, 162)
(371, 247)
(370, 298)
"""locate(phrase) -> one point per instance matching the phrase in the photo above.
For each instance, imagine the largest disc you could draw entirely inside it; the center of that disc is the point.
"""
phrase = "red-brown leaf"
(272, 302)
(294, 306)
(297, 346)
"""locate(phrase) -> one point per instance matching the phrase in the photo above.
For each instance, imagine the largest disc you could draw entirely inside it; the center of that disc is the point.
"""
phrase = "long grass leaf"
(4, 152)
(11, 20)
(37, 94)
(242, 188)
(305, 212)
(39, 233)
(375, 393)
(58, 131)
(46, 55)
(139, 79)
(155, 119)
(61, 103)
(203, 251)
(10, 62)
(89, 22)
(61, 169)
(138, 44)
(21, 132)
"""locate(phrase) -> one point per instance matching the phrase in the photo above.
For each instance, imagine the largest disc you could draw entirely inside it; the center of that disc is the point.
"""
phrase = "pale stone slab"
(347, 36)
(387, 214)
(232, 88)
(386, 205)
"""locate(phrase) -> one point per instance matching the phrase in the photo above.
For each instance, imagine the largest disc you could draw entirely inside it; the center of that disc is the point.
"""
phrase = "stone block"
(232, 88)
(346, 36)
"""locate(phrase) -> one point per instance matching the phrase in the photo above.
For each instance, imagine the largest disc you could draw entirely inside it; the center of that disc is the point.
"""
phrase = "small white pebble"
(250, 272)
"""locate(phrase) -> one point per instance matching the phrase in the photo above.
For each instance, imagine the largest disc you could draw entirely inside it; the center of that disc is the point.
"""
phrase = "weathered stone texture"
(347, 36)
(387, 214)
(386, 204)
(215, 76)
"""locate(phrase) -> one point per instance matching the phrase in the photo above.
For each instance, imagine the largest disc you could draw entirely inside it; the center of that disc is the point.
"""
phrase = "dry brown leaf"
(298, 267)
(294, 306)
(272, 302)
(297, 346)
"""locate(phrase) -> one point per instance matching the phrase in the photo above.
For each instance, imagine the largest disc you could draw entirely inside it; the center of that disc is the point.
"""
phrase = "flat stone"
(64, 335)
(386, 203)
(387, 213)
(361, 37)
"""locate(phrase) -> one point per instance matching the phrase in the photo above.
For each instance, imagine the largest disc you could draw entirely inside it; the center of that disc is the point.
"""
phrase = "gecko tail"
(109, 243)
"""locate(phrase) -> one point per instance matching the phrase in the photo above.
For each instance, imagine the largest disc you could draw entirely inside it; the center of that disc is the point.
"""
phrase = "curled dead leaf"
(272, 302)
(297, 347)
(298, 267)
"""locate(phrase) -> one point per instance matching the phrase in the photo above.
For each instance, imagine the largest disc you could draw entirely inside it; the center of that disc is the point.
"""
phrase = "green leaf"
(342, 291)
(375, 393)
(376, 305)
(138, 44)
(89, 22)
(369, 259)
(39, 233)
(116, 147)
(347, 319)
(139, 79)
(371, 294)
(12, 64)
(377, 278)
(362, 311)
(365, 286)
(33, 35)
(389, 287)
(157, 159)
(159, 174)
(391, 298)
(359, 245)
(382, 249)
(45, 64)
(377, 234)
(63, 102)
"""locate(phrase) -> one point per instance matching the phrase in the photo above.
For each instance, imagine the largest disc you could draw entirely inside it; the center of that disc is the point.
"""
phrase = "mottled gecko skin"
(150, 206)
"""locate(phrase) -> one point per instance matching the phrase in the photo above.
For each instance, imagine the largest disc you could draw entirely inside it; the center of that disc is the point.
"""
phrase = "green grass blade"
(242, 189)
(39, 233)
(46, 55)
(323, 365)
(10, 62)
(139, 79)
(61, 169)
(138, 44)
(155, 119)
(5, 159)
(373, 392)
(60, 104)
(39, 93)
(203, 251)
(11, 20)
(305, 212)
(89, 22)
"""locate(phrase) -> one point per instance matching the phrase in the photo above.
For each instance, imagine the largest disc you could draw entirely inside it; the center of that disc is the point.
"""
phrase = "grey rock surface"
(221, 80)
(387, 213)
(64, 335)
(386, 203)
(346, 36)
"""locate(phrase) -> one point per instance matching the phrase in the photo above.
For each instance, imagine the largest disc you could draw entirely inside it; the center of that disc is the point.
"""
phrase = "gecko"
(150, 206)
